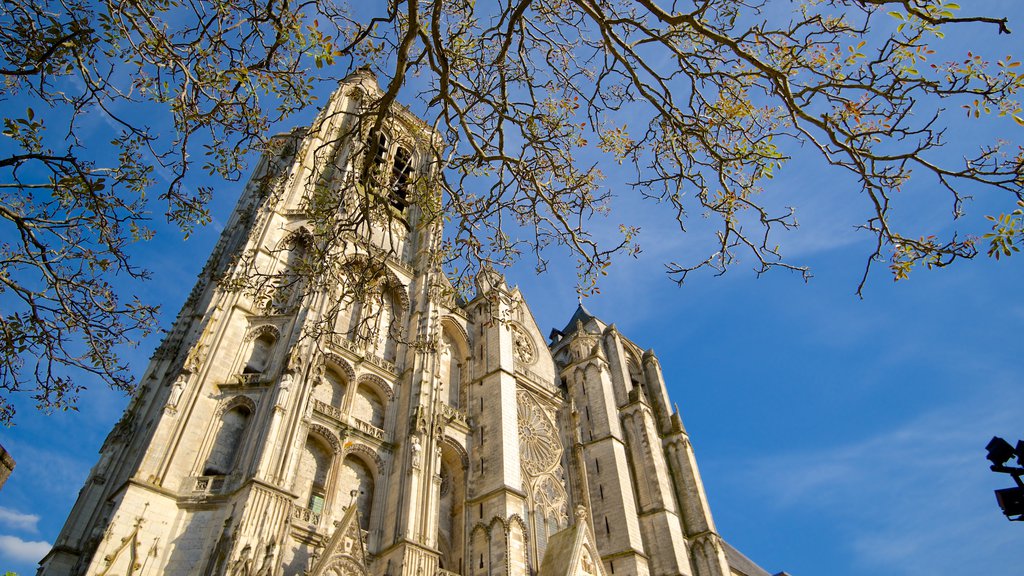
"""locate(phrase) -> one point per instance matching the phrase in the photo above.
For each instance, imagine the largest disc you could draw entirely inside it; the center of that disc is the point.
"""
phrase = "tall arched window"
(387, 325)
(259, 356)
(357, 478)
(451, 511)
(367, 406)
(397, 180)
(224, 454)
(314, 469)
(289, 281)
(331, 389)
(636, 375)
(450, 370)
(401, 178)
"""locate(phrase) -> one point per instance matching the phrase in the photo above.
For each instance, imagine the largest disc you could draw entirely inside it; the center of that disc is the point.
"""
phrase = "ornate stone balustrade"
(249, 379)
(522, 370)
(207, 484)
(342, 341)
(443, 572)
(368, 429)
(303, 514)
(326, 409)
(359, 349)
(382, 363)
(453, 414)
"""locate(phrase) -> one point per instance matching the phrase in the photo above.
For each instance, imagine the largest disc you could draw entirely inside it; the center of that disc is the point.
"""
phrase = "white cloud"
(19, 550)
(908, 499)
(18, 521)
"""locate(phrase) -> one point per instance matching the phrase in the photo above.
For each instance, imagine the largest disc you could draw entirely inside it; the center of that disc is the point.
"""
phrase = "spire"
(579, 318)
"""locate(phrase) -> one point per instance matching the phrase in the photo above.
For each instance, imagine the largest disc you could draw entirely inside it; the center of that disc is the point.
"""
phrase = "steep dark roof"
(740, 563)
(581, 315)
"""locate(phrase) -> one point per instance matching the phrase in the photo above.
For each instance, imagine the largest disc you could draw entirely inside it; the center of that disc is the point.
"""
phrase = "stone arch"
(379, 383)
(344, 566)
(331, 386)
(458, 449)
(453, 363)
(263, 330)
(257, 353)
(355, 92)
(450, 323)
(368, 405)
(452, 508)
(367, 453)
(325, 433)
(228, 432)
(235, 402)
(516, 519)
(517, 541)
(301, 233)
(579, 374)
(499, 543)
(316, 471)
(479, 551)
(358, 472)
(389, 277)
(339, 363)
(634, 370)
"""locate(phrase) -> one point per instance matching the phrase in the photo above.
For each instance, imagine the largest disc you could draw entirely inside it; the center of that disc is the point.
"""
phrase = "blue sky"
(835, 435)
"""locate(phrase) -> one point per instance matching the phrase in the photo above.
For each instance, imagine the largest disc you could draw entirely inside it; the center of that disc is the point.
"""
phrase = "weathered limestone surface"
(418, 435)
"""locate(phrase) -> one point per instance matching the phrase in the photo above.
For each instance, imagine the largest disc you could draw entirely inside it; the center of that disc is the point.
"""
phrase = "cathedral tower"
(324, 405)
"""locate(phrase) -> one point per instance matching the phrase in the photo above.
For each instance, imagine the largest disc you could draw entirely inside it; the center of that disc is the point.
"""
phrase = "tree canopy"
(703, 101)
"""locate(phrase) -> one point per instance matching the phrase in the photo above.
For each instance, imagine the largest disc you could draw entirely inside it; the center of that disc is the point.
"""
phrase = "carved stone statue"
(416, 449)
(242, 566)
(177, 390)
(284, 389)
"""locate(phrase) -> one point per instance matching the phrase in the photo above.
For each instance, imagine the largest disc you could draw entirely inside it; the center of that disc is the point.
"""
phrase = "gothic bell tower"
(305, 414)
(326, 405)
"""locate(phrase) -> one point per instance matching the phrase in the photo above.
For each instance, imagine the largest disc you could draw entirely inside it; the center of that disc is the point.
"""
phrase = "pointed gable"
(345, 552)
(572, 552)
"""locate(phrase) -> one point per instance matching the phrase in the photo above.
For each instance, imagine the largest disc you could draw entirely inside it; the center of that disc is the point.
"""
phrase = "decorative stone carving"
(176, 391)
(196, 357)
(583, 345)
(283, 390)
(539, 447)
(522, 345)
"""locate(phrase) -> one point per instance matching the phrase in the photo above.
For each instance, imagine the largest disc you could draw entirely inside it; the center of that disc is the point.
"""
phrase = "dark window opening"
(401, 177)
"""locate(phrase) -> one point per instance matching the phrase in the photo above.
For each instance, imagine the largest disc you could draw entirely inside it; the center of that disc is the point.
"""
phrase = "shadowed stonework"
(377, 424)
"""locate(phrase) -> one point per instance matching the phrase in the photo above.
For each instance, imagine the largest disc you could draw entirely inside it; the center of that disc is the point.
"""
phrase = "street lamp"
(1010, 500)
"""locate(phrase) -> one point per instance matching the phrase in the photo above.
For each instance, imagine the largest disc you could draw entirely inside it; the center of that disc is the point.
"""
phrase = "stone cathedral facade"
(424, 436)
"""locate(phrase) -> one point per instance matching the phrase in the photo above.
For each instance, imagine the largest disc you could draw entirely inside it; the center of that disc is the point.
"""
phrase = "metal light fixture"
(1010, 500)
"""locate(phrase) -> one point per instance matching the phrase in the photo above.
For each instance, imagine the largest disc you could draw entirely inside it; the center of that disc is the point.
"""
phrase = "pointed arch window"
(314, 469)
(368, 407)
(331, 389)
(289, 282)
(259, 355)
(450, 370)
(223, 458)
(391, 169)
(357, 479)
